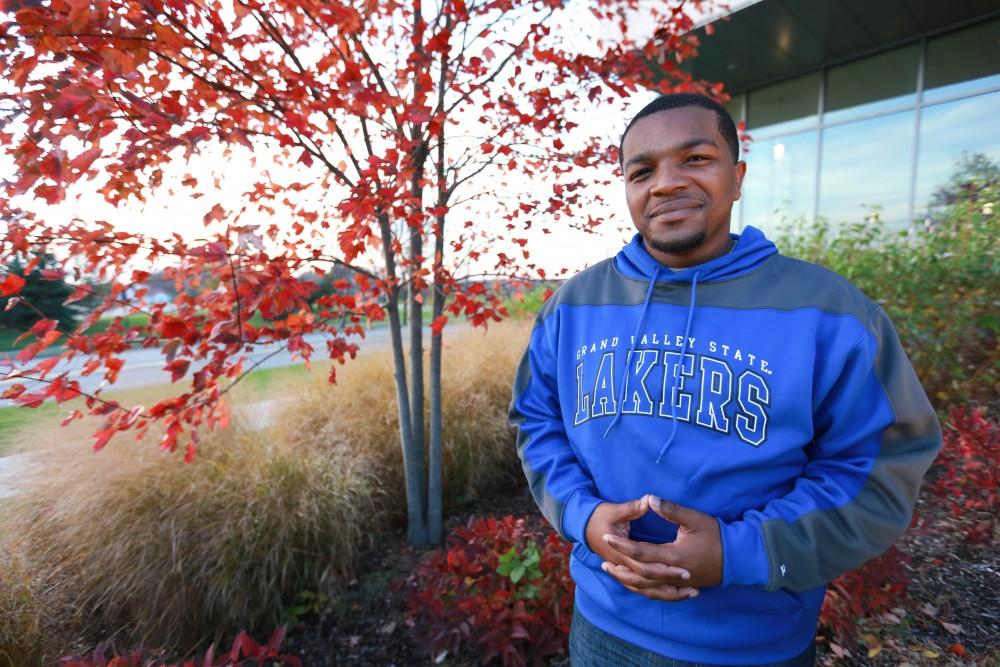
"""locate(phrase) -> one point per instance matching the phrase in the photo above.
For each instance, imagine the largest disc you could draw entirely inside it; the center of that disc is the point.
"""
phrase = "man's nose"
(668, 179)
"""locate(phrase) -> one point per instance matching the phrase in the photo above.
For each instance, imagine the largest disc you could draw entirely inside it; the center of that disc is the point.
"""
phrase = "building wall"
(880, 133)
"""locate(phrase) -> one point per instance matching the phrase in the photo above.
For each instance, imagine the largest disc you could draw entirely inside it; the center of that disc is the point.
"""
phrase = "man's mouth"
(674, 210)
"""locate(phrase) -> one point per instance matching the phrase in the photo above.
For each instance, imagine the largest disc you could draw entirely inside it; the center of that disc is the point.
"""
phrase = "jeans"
(589, 646)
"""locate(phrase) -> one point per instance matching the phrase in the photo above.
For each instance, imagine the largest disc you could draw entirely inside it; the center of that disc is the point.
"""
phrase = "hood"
(752, 248)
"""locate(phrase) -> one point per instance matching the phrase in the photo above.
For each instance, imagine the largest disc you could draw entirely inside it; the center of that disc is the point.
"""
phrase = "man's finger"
(633, 509)
(645, 557)
(666, 593)
(645, 575)
(682, 516)
(672, 594)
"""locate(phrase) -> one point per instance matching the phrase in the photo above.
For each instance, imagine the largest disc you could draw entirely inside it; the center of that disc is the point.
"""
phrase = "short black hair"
(727, 128)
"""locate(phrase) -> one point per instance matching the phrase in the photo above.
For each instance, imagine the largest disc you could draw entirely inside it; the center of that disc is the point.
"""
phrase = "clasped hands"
(670, 572)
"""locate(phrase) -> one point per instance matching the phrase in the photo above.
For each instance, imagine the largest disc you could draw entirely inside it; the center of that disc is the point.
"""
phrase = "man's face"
(680, 185)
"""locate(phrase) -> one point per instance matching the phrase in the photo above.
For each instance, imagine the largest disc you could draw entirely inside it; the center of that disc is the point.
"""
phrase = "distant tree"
(973, 173)
(45, 295)
(338, 280)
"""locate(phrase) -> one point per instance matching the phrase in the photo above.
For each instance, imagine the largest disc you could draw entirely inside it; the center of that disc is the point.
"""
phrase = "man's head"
(680, 158)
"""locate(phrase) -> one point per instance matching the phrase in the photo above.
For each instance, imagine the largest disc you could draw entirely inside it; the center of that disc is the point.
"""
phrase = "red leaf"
(276, 640)
(174, 328)
(438, 324)
(439, 42)
(246, 646)
(178, 368)
(41, 328)
(217, 213)
(102, 437)
(75, 414)
(11, 284)
(130, 418)
(13, 391)
(83, 161)
(419, 115)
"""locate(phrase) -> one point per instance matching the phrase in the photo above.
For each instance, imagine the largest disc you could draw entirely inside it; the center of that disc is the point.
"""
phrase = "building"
(855, 104)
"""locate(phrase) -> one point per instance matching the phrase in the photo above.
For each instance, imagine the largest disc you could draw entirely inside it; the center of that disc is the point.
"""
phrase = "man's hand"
(611, 521)
(649, 569)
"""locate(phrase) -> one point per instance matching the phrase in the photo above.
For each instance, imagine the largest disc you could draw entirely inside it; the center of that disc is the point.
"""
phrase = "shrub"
(966, 477)
(244, 653)
(137, 544)
(525, 304)
(873, 589)
(498, 588)
(938, 283)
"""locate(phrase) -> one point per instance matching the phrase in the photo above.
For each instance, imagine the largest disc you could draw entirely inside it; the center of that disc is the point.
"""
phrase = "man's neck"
(678, 264)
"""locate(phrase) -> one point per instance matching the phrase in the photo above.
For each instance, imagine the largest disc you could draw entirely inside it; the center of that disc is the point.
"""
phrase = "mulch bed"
(954, 605)
(366, 625)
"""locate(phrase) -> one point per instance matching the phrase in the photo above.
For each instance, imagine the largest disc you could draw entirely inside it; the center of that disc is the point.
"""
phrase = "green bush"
(939, 282)
(525, 304)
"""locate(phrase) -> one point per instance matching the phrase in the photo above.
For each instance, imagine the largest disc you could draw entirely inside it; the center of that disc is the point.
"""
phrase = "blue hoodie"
(767, 392)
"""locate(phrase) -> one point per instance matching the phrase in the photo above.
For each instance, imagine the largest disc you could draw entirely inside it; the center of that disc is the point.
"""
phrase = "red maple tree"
(375, 120)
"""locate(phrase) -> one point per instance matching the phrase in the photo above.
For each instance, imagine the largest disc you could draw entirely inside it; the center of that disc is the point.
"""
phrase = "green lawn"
(8, 336)
(257, 385)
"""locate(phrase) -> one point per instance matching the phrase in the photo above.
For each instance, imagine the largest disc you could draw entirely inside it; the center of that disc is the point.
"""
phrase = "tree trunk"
(435, 463)
(435, 511)
(413, 458)
(416, 325)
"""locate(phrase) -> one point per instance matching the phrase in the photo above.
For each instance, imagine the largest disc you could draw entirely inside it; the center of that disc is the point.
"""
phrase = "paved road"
(144, 367)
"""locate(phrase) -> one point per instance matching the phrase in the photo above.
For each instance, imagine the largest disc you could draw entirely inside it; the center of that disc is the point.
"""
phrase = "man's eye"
(699, 158)
(638, 173)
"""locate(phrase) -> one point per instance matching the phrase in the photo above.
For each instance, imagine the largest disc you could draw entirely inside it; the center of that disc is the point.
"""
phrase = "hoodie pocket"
(786, 601)
(613, 600)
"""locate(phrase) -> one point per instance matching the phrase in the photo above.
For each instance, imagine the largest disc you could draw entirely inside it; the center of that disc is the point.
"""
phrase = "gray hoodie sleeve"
(877, 434)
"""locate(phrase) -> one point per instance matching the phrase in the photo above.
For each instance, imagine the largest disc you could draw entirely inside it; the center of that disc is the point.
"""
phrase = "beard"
(677, 246)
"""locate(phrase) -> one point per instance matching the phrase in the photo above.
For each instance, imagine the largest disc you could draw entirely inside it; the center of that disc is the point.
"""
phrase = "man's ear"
(741, 172)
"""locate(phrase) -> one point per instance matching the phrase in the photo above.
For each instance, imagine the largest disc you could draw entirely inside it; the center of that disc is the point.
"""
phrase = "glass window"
(786, 106)
(866, 164)
(884, 82)
(953, 136)
(963, 62)
(735, 107)
(780, 184)
(736, 216)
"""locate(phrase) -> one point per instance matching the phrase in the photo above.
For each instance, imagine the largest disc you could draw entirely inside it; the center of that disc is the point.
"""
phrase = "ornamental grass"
(134, 546)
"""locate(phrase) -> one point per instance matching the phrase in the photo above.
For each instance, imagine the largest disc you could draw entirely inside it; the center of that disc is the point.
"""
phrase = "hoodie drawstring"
(631, 351)
(680, 367)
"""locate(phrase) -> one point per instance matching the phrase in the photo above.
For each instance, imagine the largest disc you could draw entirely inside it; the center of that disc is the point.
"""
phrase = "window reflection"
(735, 107)
(785, 106)
(867, 164)
(780, 181)
(946, 132)
(884, 82)
(963, 62)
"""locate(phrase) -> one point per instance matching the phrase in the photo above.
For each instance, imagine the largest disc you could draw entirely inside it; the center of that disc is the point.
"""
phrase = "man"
(719, 430)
